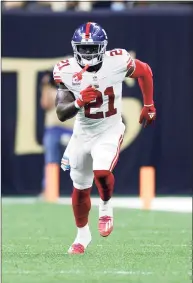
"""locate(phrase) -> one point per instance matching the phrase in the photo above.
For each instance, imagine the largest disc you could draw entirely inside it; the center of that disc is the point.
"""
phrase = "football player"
(90, 87)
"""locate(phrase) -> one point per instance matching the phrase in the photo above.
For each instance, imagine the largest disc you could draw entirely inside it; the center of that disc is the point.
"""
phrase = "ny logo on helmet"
(86, 38)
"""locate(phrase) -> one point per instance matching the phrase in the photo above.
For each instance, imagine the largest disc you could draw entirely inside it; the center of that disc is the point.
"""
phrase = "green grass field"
(145, 247)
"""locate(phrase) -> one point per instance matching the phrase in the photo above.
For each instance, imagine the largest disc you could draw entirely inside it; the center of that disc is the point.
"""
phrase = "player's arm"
(66, 105)
(142, 71)
(64, 102)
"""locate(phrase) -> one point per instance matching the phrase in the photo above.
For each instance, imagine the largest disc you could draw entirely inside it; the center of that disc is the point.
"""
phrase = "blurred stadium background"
(35, 36)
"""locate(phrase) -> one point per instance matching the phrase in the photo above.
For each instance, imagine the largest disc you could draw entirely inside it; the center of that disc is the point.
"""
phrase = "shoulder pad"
(116, 51)
(64, 66)
(120, 59)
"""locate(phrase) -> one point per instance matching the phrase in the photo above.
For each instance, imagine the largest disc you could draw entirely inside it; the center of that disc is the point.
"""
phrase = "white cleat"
(81, 242)
(105, 224)
(76, 249)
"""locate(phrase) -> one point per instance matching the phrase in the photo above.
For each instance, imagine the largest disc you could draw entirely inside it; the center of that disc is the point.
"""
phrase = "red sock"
(104, 181)
(81, 206)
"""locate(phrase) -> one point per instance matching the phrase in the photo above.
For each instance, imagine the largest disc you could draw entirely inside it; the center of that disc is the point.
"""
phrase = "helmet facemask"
(91, 54)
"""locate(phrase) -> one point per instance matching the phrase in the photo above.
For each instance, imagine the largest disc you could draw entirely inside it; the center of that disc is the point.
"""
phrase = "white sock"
(105, 208)
(83, 236)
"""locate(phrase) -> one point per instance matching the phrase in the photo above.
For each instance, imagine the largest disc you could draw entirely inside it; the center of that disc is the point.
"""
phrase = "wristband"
(78, 103)
(148, 105)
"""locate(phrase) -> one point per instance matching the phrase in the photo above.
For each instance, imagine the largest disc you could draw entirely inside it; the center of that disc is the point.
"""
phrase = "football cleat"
(76, 249)
(105, 225)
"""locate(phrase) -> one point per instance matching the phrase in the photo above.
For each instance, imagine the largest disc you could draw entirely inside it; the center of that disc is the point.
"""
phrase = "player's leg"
(104, 180)
(105, 155)
(81, 205)
(82, 177)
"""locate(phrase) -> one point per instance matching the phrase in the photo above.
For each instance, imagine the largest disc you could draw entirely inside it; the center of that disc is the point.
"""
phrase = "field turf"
(145, 247)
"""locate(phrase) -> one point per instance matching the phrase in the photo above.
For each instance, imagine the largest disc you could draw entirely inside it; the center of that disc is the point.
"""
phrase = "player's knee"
(80, 195)
(101, 173)
(104, 181)
(80, 182)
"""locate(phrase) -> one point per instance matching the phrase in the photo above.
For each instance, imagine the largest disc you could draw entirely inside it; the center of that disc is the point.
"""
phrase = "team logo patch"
(95, 78)
(85, 38)
(95, 82)
(76, 79)
(151, 115)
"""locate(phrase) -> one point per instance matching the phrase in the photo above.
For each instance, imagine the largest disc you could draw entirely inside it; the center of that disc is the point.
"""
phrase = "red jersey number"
(112, 110)
(116, 52)
(98, 103)
(63, 64)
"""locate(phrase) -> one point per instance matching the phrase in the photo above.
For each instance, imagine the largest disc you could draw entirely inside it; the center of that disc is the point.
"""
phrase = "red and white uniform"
(98, 129)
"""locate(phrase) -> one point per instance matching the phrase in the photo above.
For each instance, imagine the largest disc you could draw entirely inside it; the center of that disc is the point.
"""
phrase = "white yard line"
(175, 204)
(154, 245)
(74, 271)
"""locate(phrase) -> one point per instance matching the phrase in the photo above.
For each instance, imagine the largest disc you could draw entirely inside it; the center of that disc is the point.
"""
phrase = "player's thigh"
(81, 164)
(106, 151)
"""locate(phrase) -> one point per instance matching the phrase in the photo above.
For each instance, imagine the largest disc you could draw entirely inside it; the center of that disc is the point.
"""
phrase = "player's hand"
(86, 96)
(148, 114)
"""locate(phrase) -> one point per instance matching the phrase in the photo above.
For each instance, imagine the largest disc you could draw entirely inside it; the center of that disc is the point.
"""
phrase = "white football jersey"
(105, 111)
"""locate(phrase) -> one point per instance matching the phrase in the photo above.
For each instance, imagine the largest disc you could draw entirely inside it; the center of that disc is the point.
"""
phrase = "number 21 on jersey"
(98, 103)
